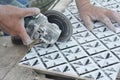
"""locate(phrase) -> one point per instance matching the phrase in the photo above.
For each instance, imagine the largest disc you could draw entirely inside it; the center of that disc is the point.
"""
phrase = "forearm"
(82, 3)
(5, 1)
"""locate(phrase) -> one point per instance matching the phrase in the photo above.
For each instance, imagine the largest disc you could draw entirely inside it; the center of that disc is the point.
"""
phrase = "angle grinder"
(49, 27)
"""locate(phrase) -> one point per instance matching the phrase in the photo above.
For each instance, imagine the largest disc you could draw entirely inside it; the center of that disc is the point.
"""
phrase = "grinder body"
(49, 27)
(38, 28)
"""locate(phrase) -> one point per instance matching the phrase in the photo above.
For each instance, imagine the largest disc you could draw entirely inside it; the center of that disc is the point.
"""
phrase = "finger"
(88, 23)
(30, 12)
(23, 35)
(25, 38)
(108, 23)
(114, 15)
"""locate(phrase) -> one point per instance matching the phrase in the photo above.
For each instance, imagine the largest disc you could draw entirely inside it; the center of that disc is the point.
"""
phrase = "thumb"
(25, 37)
(23, 34)
(30, 12)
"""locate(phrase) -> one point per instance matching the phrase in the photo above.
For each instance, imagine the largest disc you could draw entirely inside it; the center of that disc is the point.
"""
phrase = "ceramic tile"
(72, 19)
(68, 44)
(106, 2)
(73, 9)
(105, 59)
(102, 32)
(94, 47)
(112, 41)
(78, 27)
(116, 51)
(117, 26)
(98, 24)
(113, 6)
(34, 63)
(119, 35)
(53, 59)
(30, 55)
(74, 53)
(117, 0)
(65, 68)
(88, 54)
(43, 49)
(84, 37)
(112, 71)
(96, 75)
(84, 65)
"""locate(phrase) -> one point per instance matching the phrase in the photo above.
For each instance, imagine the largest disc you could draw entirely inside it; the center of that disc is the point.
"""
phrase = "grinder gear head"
(38, 28)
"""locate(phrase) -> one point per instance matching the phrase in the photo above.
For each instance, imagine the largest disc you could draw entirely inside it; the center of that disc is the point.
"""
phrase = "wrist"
(82, 3)
(1, 7)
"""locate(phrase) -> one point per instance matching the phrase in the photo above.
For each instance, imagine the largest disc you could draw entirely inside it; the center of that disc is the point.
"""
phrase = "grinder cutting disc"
(62, 21)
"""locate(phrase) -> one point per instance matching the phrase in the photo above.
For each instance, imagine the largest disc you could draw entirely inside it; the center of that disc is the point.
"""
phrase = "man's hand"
(89, 13)
(12, 21)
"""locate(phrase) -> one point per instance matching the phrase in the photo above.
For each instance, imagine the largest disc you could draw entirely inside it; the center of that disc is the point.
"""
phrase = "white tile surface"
(92, 54)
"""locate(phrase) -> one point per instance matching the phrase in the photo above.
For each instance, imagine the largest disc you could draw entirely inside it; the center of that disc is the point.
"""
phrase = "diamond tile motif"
(94, 47)
(88, 54)
(53, 59)
(102, 32)
(84, 37)
(112, 41)
(66, 68)
(105, 59)
(83, 66)
(96, 75)
(74, 53)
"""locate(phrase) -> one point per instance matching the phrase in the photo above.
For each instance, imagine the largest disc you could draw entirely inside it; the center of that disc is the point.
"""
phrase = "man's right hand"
(12, 21)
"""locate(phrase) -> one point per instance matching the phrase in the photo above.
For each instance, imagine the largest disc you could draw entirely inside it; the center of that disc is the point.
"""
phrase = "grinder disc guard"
(63, 23)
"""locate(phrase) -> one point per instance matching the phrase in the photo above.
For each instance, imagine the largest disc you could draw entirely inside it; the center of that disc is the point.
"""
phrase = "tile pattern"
(91, 54)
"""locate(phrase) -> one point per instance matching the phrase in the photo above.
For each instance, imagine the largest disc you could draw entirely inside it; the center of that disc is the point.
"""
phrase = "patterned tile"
(102, 32)
(96, 75)
(53, 59)
(65, 68)
(84, 37)
(112, 41)
(105, 59)
(83, 66)
(94, 47)
(112, 71)
(68, 44)
(74, 53)
(44, 49)
(88, 54)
